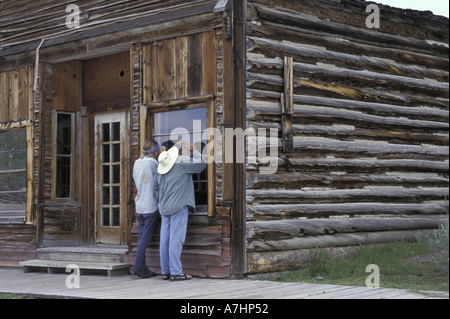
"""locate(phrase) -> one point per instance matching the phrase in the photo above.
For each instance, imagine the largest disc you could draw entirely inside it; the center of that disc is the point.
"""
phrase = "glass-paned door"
(110, 176)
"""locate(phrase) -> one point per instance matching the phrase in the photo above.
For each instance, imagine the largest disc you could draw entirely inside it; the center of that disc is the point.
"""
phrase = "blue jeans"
(146, 228)
(173, 234)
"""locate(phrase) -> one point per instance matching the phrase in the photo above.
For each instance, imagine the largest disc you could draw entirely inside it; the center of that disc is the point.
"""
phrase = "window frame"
(16, 170)
(206, 101)
(55, 156)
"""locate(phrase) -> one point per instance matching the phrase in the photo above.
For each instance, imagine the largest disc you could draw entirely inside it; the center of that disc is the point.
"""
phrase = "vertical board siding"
(16, 94)
(180, 67)
(370, 125)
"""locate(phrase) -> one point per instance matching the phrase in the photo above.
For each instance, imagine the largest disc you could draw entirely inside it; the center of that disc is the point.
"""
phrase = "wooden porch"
(15, 281)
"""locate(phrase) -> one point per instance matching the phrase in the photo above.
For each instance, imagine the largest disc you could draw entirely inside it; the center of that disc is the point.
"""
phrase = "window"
(189, 125)
(63, 155)
(13, 172)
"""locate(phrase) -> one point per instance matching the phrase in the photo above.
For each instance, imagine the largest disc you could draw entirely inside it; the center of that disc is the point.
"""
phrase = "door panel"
(110, 177)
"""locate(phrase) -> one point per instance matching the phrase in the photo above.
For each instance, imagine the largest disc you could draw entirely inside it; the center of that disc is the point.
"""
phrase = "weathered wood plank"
(347, 109)
(181, 47)
(168, 69)
(372, 194)
(195, 56)
(287, 106)
(14, 94)
(288, 211)
(336, 240)
(350, 180)
(209, 76)
(317, 227)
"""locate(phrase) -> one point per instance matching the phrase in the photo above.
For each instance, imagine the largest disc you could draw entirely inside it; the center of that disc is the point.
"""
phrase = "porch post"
(238, 217)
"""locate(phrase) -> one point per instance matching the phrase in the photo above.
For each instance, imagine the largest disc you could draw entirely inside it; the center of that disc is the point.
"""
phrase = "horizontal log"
(370, 194)
(295, 18)
(281, 229)
(347, 132)
(274, 48)
(282, 260)
(359, 85)
(276, 261)
(291, 211)
(308, 105)
(336, 240)
(395, 55)
(356, 90)
(359, 165)
(367, 148)
(296, 180)
(368, 164)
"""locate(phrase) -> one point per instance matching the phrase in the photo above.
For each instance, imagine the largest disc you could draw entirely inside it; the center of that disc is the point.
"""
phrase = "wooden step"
(86, 267)
(91, 254)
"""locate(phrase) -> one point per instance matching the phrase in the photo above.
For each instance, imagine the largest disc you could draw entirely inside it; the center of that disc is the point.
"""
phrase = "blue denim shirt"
(175, 189)
(144, 173)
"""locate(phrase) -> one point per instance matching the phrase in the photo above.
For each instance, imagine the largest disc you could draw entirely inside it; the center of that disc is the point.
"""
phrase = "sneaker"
(166, 277)
(180, 277)
(140, 273)
(149, 273)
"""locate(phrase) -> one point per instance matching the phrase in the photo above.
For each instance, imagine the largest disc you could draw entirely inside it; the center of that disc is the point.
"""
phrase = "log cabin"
(360, 116)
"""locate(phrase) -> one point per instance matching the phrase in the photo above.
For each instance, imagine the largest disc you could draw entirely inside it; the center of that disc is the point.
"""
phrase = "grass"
(404, 265)
(12, 296)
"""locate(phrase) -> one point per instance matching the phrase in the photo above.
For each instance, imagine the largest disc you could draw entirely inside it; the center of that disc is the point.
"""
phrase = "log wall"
(369, 158)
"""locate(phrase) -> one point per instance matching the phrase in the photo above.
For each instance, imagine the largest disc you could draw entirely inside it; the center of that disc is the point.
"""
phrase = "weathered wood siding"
(27, 25)
(17, 243)
(16, 95)
(370, 126)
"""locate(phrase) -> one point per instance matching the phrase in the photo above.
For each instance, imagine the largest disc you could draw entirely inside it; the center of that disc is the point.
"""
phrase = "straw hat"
(166, 160)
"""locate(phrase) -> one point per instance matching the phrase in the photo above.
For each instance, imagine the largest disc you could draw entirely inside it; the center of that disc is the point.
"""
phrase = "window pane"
(105, 220)
(116, 216)
(116, 131)
(116, 174)
(62, 177)
(13, 176)
(63, 134)
(105, 132)
(185, 120)
(106, 153)
(106, 195)
(188, 124)
(116, 195)
(13, 192)
(116, 153)
(106, 177)
(13, 150)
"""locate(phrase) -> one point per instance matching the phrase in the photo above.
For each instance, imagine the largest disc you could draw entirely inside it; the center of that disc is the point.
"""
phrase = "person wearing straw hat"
(144, 172)
(174, 188)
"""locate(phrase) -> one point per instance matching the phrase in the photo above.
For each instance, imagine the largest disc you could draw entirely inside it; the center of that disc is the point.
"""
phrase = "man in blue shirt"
(174, 187)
